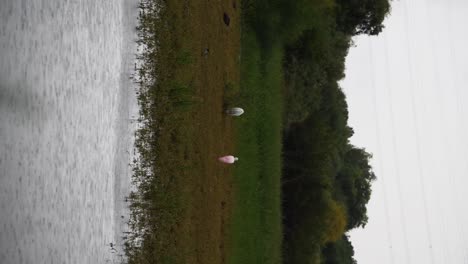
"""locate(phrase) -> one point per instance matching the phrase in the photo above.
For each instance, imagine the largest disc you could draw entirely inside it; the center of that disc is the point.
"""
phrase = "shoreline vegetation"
(299, 184)
(181, 205)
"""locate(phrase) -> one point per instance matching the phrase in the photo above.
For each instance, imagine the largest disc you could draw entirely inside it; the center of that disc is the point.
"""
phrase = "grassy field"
(256, 223)
(188, 207)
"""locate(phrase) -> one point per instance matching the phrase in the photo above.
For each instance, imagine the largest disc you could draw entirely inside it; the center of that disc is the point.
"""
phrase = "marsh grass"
(182, 196)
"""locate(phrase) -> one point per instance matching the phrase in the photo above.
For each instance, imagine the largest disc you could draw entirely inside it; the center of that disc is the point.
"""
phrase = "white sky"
(408, 102)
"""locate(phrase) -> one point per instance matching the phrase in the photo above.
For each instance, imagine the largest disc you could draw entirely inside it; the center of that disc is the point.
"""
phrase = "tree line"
(326, 180)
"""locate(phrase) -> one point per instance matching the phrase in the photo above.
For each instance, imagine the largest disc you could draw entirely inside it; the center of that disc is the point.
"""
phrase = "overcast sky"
(408, 102)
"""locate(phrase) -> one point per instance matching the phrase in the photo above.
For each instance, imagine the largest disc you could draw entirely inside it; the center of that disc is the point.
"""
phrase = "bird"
(235, 111)
(112, 248)
(205, 52)
(229, 159)
(226, 19)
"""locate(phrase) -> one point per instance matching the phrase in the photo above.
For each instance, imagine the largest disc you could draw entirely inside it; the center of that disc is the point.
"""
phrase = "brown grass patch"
(190, 197)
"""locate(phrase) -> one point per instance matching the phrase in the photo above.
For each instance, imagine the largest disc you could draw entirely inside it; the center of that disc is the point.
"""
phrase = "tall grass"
(182, 200)
(161, 170)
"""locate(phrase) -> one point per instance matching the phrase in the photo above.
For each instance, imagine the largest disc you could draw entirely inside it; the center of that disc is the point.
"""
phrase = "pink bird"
(228, 159)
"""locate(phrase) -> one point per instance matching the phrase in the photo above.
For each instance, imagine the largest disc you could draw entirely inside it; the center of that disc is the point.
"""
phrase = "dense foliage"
(339, 252)
(326, 180)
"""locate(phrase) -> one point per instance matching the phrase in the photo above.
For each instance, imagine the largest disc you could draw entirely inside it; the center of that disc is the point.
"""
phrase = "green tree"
(361, 16)
(334, 222)
(339, 252)
(354, 181)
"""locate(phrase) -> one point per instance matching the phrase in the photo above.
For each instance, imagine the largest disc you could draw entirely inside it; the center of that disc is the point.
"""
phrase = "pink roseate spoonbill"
(235, 111)
(228, 159)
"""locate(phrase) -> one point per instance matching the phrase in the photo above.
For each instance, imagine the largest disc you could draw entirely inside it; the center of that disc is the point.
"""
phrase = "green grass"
(256, 228)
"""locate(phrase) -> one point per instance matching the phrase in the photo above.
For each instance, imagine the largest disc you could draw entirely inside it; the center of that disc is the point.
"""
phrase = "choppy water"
(65, 99)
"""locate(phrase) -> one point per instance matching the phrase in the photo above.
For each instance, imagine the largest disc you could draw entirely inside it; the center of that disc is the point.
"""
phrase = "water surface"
(65, 100)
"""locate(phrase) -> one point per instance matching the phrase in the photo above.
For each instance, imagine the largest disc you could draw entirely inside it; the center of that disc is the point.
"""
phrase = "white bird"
(235, 111)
